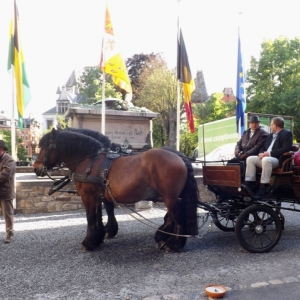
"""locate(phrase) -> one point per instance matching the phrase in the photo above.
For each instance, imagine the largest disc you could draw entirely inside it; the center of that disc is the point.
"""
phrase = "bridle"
(51, 146)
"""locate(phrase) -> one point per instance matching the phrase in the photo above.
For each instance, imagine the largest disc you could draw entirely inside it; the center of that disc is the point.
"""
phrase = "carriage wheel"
(225, 217)
(258, 229)
(224, 222)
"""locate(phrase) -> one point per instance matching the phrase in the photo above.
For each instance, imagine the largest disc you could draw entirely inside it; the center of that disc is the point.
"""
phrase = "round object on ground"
(215, 290)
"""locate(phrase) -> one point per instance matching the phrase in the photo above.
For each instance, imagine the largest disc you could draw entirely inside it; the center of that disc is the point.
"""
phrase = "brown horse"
(144, 176)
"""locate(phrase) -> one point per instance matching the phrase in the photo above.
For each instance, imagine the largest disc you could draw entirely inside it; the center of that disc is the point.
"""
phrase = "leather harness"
(101, 177)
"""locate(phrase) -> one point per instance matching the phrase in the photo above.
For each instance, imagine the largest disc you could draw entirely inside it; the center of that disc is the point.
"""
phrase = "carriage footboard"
(222, 175)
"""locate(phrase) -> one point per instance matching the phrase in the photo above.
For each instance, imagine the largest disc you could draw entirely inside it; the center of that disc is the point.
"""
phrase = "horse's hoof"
(168, 250)
(109, 236)
(161, 245)
(87, 247)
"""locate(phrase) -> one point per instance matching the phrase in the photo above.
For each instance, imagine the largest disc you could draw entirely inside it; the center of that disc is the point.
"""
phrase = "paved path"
(45, 262)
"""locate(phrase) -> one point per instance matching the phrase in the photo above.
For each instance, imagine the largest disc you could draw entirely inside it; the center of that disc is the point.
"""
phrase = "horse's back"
(146, 174)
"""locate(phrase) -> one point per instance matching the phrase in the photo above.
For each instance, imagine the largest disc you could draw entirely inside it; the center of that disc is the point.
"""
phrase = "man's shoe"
(266, 191)
(9, 237)
(252, 185)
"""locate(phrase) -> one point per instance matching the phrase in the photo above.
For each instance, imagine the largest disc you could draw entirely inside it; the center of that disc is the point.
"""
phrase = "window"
(62, 107)
(49, 124)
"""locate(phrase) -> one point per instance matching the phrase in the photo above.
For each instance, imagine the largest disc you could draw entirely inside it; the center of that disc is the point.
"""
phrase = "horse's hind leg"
(174, 224)
(95, 228)
(161, 234)
(111, 227)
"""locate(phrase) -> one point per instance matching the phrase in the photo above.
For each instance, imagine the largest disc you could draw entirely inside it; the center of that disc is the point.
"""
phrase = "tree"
(158, 93)
(274, 80)
(62, 122)
(139, 63)
(214, 109)
(21, 151)
(90, 85)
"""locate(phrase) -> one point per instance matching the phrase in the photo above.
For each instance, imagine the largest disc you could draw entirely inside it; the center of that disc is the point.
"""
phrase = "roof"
(51, 111)
(72, 79)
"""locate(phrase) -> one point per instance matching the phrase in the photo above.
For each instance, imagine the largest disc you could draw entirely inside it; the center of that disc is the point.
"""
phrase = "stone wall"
(32, 197)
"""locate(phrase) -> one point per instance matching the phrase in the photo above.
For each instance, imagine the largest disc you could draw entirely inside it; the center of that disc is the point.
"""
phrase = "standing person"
(279, 141)
(7, 190)
(251, 141)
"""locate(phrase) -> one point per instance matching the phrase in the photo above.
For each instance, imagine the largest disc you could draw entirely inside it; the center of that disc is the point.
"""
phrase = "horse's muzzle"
(39, 170)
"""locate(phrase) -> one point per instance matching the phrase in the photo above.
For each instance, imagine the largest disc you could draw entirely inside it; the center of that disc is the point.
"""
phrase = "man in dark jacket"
(251, 141)
(7, 190)
(278, 141)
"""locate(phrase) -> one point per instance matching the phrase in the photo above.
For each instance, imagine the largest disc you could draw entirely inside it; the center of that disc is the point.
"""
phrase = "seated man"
(251, 141)
(279, 141)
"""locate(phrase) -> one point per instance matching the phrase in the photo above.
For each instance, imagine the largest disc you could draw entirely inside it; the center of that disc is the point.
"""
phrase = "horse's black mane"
(99, 137)
(103, 139)
(68, 143)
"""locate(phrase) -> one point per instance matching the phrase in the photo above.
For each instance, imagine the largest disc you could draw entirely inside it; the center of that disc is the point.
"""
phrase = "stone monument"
(125, 123)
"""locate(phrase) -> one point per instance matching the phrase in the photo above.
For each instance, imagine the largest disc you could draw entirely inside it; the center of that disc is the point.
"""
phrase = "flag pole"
(103, 105)
(13, 125)
(13, 131)
(112, 63)
(178, 117)
(178, 92)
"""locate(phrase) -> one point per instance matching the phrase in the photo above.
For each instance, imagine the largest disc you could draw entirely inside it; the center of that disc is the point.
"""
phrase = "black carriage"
(257, 221)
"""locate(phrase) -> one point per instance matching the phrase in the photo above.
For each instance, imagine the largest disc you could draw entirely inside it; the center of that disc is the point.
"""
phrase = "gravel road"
(45, 261)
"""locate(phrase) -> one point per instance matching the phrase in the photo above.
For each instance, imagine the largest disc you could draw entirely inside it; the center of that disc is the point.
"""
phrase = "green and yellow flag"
(16, 61)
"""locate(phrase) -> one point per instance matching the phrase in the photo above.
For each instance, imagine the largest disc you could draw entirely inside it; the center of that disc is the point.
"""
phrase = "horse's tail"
(190, 199)
(189, 195)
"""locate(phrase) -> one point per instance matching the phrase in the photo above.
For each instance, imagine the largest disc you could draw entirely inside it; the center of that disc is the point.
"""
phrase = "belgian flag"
(184, 75)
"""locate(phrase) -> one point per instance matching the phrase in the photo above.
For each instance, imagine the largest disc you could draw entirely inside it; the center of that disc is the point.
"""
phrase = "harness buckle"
(105, 182)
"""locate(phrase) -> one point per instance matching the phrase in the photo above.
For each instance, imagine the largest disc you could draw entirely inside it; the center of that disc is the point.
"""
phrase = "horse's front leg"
(93, 206)
(111, 227)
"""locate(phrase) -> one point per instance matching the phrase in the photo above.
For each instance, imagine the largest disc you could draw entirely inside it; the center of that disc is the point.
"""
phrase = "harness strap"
(88, 170)
(90, 179)
(58, 184)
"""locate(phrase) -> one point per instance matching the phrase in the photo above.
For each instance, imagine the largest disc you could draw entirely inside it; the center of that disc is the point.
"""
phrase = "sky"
(60, 36)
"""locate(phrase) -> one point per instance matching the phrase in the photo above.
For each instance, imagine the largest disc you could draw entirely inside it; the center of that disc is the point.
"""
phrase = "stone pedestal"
(122, 127)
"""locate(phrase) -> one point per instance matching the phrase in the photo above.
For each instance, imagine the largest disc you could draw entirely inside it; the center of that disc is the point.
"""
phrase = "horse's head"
(47, 157)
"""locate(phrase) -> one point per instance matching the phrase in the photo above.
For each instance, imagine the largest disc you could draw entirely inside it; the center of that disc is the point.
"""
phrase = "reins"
(134, 211)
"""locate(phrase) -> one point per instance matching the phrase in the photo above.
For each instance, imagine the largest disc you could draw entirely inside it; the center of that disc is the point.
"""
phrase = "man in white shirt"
(279, 141)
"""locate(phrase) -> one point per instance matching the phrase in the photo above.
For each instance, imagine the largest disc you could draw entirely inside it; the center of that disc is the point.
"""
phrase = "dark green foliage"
(21, 151)
(274, 80)
(90, 85)
(140, 64)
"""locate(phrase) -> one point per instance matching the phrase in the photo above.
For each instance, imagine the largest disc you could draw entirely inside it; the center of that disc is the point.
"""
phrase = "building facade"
(68, 94)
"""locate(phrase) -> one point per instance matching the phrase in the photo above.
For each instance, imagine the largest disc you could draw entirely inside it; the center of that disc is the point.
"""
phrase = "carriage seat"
(286, 162)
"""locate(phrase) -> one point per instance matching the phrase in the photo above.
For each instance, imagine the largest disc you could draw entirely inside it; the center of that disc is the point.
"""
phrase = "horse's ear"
(53, 132)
